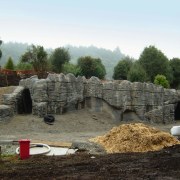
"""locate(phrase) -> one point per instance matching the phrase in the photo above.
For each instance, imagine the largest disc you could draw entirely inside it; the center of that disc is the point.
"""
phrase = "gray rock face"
(163, 114)
(60, 93)
(11, 99)
(5, 112)
(40, 109)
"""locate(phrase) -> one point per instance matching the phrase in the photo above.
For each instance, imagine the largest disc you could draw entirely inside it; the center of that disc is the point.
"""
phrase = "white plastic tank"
(175, 130)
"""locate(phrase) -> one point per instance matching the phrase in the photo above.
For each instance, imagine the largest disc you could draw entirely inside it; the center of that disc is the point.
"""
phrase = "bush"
(161, 80)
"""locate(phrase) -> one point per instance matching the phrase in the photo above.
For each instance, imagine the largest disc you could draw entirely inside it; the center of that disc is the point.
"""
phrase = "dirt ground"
(77, 127)
(72, 126)
(159, 165)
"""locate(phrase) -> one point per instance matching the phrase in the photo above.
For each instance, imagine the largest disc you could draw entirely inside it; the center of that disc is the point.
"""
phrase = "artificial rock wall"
(59, 93)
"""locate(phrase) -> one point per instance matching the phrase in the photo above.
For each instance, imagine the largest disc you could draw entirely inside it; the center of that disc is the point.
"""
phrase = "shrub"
(161, 80)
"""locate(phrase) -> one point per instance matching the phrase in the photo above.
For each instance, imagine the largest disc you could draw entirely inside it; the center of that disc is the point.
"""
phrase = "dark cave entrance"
(24, 103)
(177, 112)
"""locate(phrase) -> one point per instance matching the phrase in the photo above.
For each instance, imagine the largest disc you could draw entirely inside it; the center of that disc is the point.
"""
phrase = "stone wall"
(122, 99)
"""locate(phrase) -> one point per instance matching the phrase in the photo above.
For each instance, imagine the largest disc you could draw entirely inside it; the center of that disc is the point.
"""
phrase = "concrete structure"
(59, 93)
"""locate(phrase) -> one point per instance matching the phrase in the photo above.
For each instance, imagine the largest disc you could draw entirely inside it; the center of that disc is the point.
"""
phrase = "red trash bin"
(24, 148)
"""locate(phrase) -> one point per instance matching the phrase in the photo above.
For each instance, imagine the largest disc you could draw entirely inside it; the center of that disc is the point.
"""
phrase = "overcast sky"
(129, 24)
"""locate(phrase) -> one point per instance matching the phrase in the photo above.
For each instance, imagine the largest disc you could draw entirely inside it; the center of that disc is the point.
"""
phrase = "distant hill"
(109, 58)
(14, 50)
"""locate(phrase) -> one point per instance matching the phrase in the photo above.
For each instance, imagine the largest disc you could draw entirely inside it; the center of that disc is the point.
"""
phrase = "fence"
(12, 78)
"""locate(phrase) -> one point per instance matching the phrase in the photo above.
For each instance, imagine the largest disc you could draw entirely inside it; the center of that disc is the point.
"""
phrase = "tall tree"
(122, 68)
(37, 56)
(58, 58)
(91, 67)
(155, 62)
(9, 64)
(100, 69)
(137, 73)
(175, 66)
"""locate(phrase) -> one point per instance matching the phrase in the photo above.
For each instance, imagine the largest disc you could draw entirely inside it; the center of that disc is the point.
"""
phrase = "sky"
(130, 25)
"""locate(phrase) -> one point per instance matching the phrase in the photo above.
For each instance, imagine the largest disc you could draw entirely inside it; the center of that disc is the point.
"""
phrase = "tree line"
(152, 66)
(58, 61)
(108, 57)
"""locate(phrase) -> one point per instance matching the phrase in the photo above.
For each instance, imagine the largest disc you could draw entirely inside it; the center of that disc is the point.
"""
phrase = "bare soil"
(72, 126)
(77, 127)
(159, 165)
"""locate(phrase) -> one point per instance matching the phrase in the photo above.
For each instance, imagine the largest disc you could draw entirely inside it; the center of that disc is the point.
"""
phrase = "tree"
(154, 62)
(161, 80)
(70, 68)
(58, 58)
(24, 66)
(91, 67)
(137, 73)
(9, 64)
(0, 49)
(122, 68)
(37, 56)
(175, 66)
(100, 71)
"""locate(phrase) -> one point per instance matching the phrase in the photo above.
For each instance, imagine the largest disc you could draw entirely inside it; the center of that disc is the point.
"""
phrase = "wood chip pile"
(135, 137)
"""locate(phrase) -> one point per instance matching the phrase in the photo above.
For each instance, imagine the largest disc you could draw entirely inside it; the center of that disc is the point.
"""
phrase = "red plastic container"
(24, 148)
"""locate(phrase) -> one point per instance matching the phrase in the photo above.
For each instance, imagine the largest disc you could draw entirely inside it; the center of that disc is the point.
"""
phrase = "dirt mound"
(135, 137)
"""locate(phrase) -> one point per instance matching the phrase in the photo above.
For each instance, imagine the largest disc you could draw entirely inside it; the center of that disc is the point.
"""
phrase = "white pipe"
(35, 144)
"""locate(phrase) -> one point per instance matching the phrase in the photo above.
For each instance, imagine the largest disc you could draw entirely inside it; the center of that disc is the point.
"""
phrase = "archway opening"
(24, 105)
(129, 115)
(177, 112)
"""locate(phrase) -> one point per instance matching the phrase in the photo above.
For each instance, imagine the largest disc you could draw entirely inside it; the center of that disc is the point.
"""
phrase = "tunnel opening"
(24, 103)
(129, 115)
(177, 112)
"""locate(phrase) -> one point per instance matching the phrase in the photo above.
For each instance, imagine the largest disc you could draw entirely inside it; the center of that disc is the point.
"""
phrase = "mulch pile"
(135, 137)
